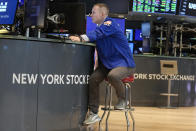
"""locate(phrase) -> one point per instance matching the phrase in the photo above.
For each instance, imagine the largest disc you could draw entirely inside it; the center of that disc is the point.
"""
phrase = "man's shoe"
(92, 118)
(121, 105)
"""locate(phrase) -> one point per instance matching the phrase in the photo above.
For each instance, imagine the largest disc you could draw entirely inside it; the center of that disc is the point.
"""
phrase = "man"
(115, 60)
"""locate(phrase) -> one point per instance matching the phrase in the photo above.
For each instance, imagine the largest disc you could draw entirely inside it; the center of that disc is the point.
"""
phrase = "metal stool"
(127, 81)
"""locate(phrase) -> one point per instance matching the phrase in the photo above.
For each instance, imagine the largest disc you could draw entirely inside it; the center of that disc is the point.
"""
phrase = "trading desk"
(43, 84)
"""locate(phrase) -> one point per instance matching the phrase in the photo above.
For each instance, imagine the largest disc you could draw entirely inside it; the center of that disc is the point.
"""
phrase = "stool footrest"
(168, 94)
(112, 109)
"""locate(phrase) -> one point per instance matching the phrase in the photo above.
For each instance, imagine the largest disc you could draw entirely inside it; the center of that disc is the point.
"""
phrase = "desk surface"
(44, 40)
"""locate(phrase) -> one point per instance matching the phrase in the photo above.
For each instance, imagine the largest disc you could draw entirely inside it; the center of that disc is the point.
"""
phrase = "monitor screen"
(138, 35)
(21, 2)
(131, 46)
(74, 17)
(7, 11)
(35, 11)
(187, 7)
(90, 26)
(146, 29)
(121, 23)
(155, 6)
(129, 34)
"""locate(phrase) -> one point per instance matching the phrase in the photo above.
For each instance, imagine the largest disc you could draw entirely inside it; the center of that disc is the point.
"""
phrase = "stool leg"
(127, 119)
(110, 104)
(130, 111)
(126, 99)
(106, 106)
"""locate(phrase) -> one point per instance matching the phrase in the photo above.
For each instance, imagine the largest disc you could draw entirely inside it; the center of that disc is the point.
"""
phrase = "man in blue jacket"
(115, 60)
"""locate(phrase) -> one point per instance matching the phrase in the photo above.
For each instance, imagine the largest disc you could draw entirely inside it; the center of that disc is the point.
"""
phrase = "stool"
(169, 94)
(127, 81)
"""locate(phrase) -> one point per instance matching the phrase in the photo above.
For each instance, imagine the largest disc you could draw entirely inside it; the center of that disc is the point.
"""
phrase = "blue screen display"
(21, 2)
(131, 46)
(138, 35)
(7, 11)
(146, 29)
(129, 34)
(90, 26)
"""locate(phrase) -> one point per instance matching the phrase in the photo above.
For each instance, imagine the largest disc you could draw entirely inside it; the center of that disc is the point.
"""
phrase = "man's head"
(99, 12)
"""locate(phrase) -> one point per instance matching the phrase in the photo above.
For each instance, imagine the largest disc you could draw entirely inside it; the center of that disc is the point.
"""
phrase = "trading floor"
(153, 119)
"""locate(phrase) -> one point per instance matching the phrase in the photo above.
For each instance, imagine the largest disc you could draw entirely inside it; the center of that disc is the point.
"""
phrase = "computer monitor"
(21, 3)
(90, 26)
(131, 46)
(7, 11)
(138, 35)
(129, 34)
(187, 7)
(155, 6)
(35, 13)
(121, 23)
(74, 15)
(146, 29)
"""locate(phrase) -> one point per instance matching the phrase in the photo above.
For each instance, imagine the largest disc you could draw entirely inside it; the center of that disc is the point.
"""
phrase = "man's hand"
(74, 38)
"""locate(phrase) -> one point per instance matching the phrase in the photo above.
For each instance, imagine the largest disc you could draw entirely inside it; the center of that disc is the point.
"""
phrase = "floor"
(153, 119)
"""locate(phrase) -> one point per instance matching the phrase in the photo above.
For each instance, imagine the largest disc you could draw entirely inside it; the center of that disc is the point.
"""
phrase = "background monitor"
(129, 34)
(74, 16)
(155, 6)
(121, 23)
(138, 35)
(90, 26)
(35, 13)
(21, 3)
(187, 7)
(131, 46)
(146, 29)
(7, 11)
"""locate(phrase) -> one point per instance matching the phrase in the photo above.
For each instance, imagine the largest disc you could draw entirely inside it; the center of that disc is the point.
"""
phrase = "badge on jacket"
(108, 23)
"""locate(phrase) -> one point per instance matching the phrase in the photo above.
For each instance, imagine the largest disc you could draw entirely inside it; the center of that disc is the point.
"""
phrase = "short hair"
(103, 5)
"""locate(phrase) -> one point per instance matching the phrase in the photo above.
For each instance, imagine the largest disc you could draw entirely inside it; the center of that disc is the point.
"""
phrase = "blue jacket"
(112, 45)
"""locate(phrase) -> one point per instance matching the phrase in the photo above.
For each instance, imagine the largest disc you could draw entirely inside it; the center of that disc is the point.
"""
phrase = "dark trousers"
(114, 76)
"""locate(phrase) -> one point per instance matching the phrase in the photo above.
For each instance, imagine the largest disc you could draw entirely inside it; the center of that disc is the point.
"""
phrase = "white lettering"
(50, 79)
(43, 78)
(68, 80)
(77, 79)
(56, 79)
(61, 79)
(3, 6)
(192, 6)
(23, 79)
(140, 76)
(32, 78)
(16, 78)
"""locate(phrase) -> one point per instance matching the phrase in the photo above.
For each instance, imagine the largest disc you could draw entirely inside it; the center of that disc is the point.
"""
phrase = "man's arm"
(81, 38)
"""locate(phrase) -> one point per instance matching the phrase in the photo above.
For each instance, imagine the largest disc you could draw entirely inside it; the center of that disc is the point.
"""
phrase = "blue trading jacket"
(112, 45)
